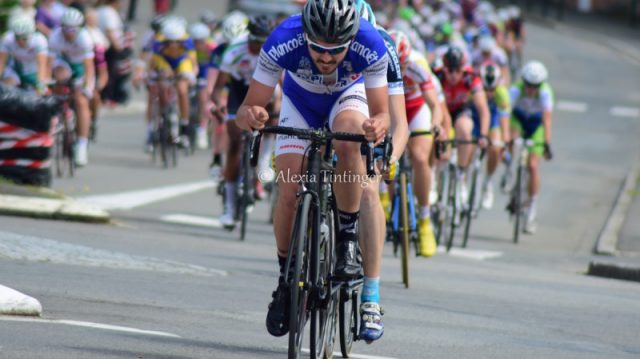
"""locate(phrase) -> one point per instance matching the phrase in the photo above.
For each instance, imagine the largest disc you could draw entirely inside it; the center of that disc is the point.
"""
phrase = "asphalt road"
(148, 287)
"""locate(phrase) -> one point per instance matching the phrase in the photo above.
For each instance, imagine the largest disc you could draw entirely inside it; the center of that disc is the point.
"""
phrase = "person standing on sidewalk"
(111, 24)
(48, 16)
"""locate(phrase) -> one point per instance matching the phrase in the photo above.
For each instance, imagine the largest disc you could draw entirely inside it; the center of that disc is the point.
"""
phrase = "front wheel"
(299, 282)
(404, 233)
(517, 204)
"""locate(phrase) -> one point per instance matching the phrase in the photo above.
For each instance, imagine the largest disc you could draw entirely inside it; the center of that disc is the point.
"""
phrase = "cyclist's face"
(173, 44)
(255, 46)
(531, 91)
(454, 76)
(22, 40)
(327, 61)
(70, 33)
(200, 44)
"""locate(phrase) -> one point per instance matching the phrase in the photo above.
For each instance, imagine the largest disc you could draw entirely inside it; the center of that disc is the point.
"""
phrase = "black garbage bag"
(27, 110)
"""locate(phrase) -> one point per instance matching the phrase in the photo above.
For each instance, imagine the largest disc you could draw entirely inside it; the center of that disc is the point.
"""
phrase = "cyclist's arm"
(194, 60)
(399, 125)
(89, 75)
(221, 81)
(546, 122)
(43, 67)
(431, 97)
(254, 103)
(480, 101)
(3, 61)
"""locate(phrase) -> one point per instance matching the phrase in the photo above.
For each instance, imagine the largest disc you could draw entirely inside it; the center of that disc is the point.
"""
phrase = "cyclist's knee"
(370, 196)
(350, 122)
(534, 164)
(464, 126)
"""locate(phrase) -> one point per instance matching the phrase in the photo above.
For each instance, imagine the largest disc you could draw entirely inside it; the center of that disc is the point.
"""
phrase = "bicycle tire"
(70, 151)
(471, 205)
(59, 153)
(347, 319)
(246, 184)
(163, 141)
(440, 209)
(453, 183)
(297, 284)
(404, 233)
(322, 326)
(517, 204)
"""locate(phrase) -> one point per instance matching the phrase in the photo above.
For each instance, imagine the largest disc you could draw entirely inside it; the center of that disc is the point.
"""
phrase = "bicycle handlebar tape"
(371, 165)
(26, 142)
(255, 149)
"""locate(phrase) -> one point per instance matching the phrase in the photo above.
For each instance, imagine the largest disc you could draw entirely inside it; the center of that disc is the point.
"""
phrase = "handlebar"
(316, 136)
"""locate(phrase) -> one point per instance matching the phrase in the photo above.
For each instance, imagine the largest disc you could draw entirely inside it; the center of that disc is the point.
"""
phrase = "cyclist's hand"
(256, 117)
(392, 171)
(548, 155)
(483, 141)
(375, 130)
(87, 92)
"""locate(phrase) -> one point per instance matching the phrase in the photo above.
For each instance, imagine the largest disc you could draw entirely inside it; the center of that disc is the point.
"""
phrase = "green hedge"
(5, 7)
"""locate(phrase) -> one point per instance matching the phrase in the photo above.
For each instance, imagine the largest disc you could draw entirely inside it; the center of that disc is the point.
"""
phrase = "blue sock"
(371, 290)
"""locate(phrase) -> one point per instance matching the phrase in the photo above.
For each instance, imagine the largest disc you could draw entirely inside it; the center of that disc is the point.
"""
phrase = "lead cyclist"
(336, 65)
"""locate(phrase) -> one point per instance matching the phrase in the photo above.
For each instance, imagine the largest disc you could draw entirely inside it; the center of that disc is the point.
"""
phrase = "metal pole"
(133, 5)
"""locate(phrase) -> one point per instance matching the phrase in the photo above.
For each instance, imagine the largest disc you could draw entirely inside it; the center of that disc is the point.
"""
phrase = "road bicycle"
(64, 129)
(165, 121)
(315, 294)
(402, 229)
(517, 208)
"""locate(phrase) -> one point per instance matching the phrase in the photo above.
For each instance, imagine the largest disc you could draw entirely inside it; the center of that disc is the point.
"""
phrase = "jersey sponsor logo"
(268, 65)
(352, 97)
(365, 52)
(281, 49)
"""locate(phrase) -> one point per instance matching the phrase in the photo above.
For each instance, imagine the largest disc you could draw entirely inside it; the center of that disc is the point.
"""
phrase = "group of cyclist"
(344, 66)
(435, 70)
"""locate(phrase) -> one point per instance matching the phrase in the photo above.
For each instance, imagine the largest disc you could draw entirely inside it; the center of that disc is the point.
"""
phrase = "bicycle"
(516, 207)
(64, 129)
(453, 212)
(244, 187)
(314, 292)
(402, 229)
(165, 120)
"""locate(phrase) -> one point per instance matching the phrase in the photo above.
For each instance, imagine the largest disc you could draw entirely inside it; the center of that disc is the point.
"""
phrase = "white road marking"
(192, 220)
(90, 325)
(621, 111)
(572, 106)
(13, 302)
(471, 253)
(132, 199)
(352, 355)
(29, 248)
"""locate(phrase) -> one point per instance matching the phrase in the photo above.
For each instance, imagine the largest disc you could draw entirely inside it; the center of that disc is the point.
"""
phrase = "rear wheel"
(470, 207)
(452, 210)
(347, 318)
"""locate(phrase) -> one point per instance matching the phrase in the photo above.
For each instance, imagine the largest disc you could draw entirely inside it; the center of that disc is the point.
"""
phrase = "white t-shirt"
(26, 57)
(109, 20)
(98, 37)
(18, 12)
(73, 52)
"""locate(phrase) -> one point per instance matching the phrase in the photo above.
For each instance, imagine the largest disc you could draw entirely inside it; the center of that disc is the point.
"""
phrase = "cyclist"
(200, 34)
(500, 110)
(174, 56)
(234, 25)
(336, 65)
(516, 34)
(374, 196)
(143, 70)
(463, 90)
(532, 99)
(489, 51)
(101, 44)
(423, 113)
(23, 55)
(71, 56)
(237, 67)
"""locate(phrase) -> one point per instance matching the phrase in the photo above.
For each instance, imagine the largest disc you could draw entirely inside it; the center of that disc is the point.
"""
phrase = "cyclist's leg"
(493, 159)
(533, 166)
(10, 77)
(420, 149)
(289, 166)
(203, 114)
(186, 78)
(347, 115)
(464, 131)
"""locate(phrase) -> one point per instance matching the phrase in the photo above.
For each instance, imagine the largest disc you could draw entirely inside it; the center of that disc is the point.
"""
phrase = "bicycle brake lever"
(255, 148)
(371, 171)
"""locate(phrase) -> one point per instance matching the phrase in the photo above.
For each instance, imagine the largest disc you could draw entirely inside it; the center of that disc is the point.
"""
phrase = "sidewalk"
(37, 202)
(620, 238)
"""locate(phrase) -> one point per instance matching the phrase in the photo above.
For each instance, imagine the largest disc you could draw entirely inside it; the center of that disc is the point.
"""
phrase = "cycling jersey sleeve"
(40, 44)
(375, 76)
(514, 93)
(502, 101)
(476, 84)
(394, 74)
(546, 98)
(4, 45)
(86, 44)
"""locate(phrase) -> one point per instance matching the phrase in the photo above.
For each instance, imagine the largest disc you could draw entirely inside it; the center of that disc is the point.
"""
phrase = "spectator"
(102, 74)
(48, 16)
(117, 56)
(26, 8)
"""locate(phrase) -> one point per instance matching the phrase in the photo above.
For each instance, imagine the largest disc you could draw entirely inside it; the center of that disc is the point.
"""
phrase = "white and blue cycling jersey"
(312, 93)
(394, 74)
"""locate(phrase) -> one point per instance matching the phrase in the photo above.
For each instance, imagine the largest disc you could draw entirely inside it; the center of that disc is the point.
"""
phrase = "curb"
(13, 302)
(614, 271)
(65, 209)
(608, 238)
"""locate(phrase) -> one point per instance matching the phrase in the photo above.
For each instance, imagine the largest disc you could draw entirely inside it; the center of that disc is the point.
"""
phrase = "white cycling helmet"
(534, 73)
(199, 31)
(514, 11)
(23, 26)
(173, 30)
(234, 25)
(486, 43)
(72, 17)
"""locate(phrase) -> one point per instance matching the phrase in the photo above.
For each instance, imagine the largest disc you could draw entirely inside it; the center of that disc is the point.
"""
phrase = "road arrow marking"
(572, 106)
